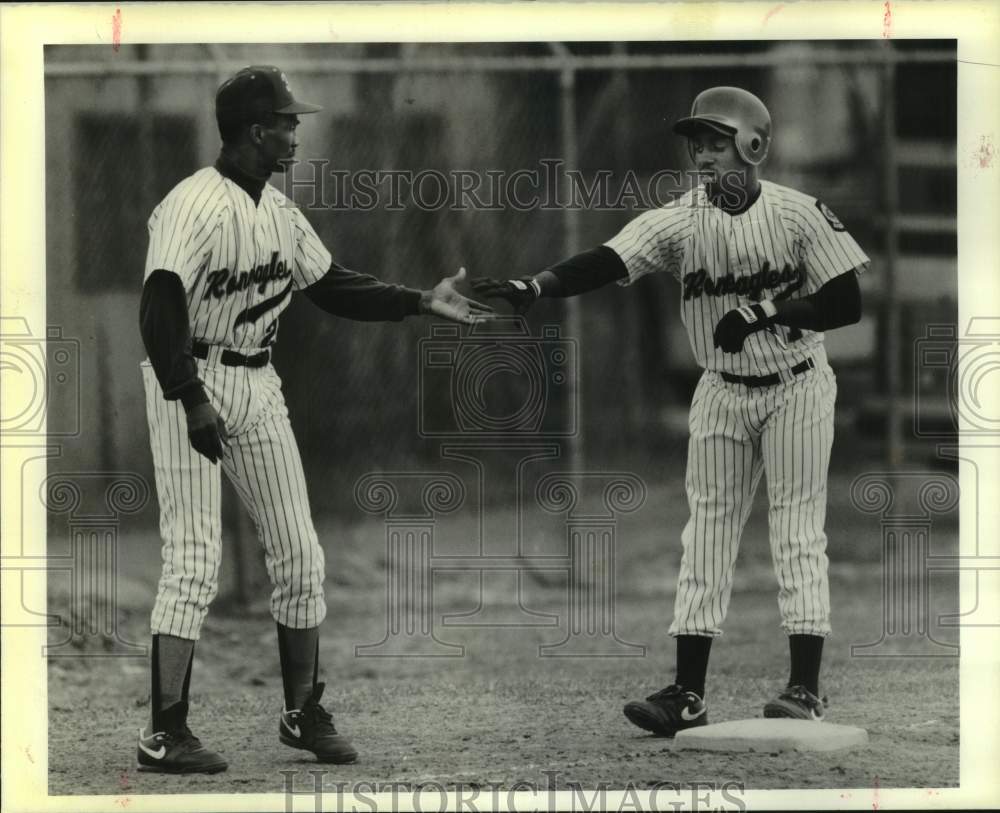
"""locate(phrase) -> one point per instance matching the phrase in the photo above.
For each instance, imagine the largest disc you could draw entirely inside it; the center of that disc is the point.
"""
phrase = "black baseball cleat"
(798, 703)
(175, 749)
(311, 728)
(668, 711)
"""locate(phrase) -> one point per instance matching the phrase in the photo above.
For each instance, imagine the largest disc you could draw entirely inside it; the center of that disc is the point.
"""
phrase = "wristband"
(769, 308)
(528, 283)
(193, 396)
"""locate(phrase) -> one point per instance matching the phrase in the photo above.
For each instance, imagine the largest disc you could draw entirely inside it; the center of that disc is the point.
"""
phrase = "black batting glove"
(207, 431)
(520, 293)
(735, 326)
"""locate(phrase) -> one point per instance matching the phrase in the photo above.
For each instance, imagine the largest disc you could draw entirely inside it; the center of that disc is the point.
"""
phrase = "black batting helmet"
(735, 112)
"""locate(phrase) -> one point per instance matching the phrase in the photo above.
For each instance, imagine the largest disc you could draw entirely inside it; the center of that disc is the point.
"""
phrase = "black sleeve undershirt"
(166, 330)
(166, 334)
(835, 304)
(362, 297)
(582, 272)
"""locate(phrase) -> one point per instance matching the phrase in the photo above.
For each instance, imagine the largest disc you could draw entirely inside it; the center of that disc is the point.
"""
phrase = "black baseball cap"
(255, 90)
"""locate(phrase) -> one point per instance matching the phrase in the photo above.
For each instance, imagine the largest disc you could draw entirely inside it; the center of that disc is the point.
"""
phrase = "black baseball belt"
(766, 380)
(230, 358)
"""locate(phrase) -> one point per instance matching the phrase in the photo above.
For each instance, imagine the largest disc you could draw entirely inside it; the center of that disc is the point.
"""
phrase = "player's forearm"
(581, 273)
(836, 304)
(363, 297)
(166, 334)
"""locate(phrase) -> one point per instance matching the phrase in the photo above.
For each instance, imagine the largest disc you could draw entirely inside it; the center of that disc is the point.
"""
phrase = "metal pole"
(452, 64)
(890, 180)
(146, 91)
(638, 409)
(235, 517)
(571, 243)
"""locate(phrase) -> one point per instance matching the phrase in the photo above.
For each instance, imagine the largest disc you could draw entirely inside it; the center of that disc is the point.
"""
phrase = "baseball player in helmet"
(765, 270)
(227, 251)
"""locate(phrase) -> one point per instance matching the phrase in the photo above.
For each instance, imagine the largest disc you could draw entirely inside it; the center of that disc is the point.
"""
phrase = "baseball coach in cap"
(227, 251)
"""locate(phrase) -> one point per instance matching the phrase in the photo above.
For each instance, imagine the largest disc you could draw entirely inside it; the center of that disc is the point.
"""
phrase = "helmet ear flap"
(739, 110)
(752, 147)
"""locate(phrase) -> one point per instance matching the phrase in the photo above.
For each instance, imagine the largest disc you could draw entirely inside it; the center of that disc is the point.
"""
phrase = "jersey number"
(269, 332)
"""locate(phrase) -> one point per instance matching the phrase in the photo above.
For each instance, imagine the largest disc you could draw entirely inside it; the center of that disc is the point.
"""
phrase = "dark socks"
(692, 662)
(806, 653)
(170, 672)
(299, 653)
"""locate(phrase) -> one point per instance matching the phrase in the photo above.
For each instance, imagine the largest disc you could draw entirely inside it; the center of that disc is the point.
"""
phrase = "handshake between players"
(765, 398)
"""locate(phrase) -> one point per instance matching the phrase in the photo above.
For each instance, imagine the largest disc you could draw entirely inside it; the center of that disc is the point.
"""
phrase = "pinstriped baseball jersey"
(739, 434)
(239, 262)
(786, 245)
(263, 463)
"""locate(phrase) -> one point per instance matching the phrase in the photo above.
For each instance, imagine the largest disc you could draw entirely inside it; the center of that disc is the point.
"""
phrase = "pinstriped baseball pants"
(737, 434)
(263, 464)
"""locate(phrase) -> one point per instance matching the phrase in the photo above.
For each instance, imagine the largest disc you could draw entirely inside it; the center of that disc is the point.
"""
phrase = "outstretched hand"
(445, 301)
(520, 293)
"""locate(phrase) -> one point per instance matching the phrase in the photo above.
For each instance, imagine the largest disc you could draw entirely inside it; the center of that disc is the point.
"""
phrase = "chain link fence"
(485, 144)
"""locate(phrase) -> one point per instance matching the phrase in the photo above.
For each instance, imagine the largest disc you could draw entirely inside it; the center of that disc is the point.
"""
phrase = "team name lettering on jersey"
(207, 229)
(221, 283)
(785, 245)
(698, 283)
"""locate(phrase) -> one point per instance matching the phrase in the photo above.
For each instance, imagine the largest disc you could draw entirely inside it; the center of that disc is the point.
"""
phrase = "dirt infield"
(500, 714)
